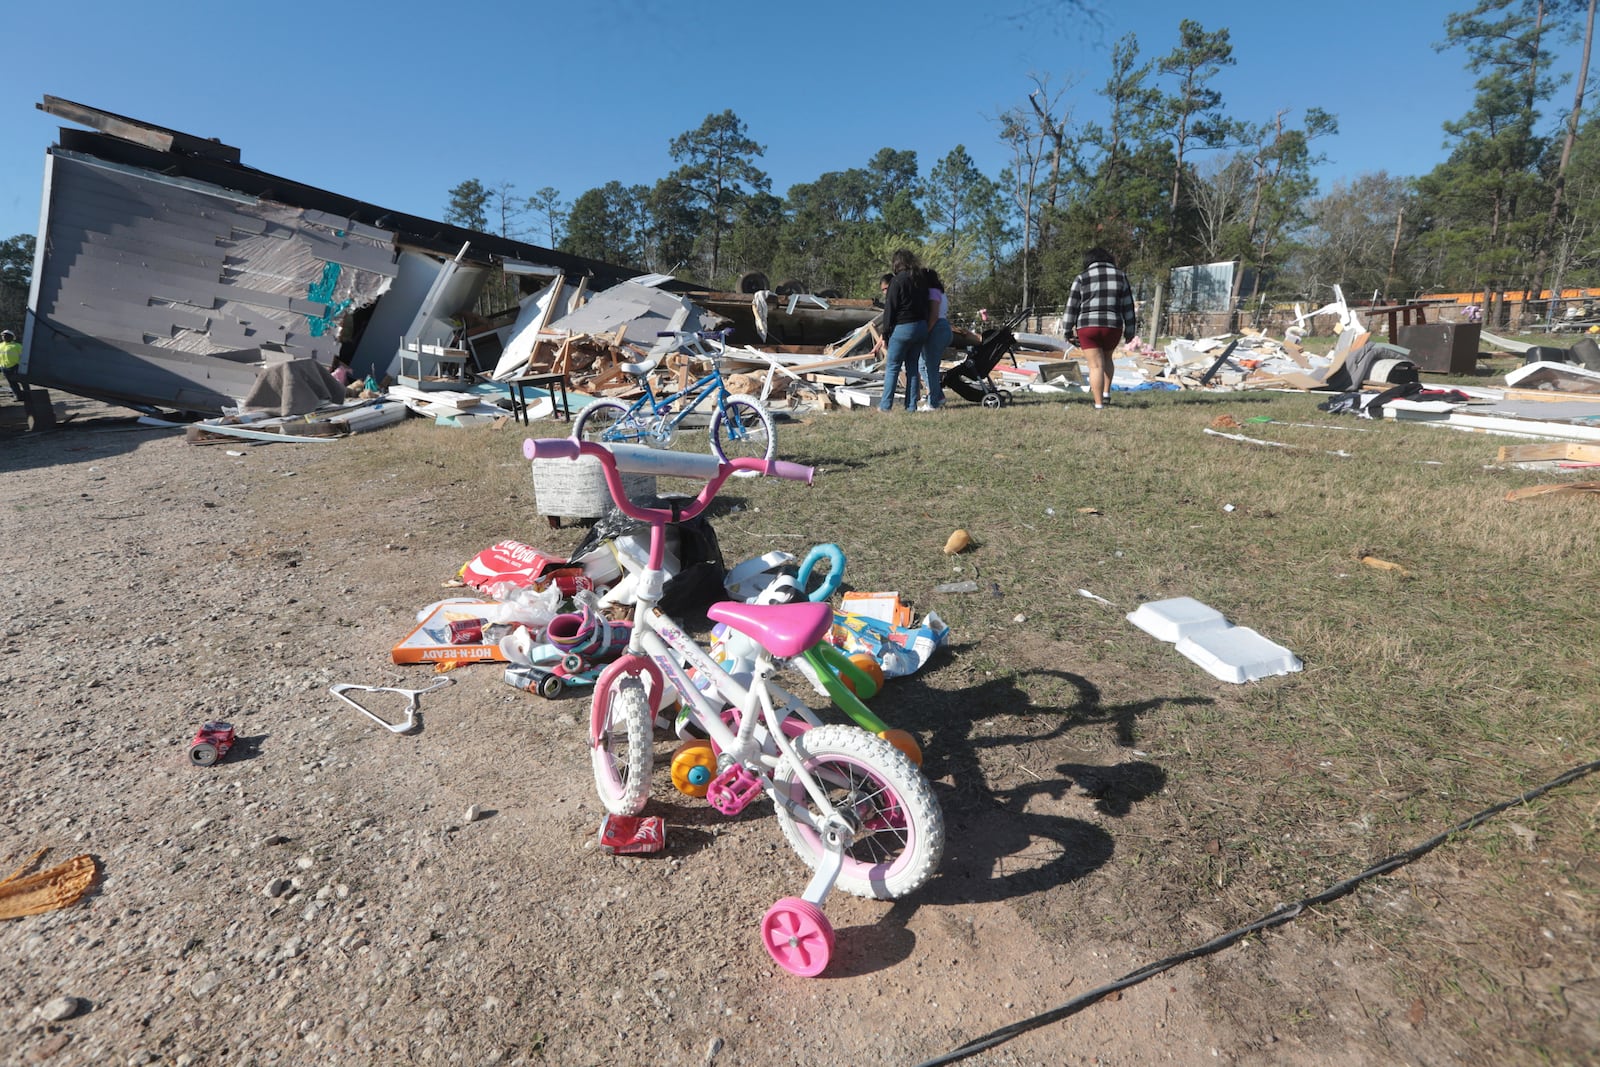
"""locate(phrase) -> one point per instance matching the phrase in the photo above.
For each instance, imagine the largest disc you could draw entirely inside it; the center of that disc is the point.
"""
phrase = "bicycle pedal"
(732, 791)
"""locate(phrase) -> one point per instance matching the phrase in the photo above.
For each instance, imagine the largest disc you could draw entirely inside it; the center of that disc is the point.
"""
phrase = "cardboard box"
(885, 607)
(430, 642)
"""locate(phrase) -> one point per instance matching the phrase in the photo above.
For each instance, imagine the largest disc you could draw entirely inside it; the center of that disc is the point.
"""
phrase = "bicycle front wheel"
(607, 422)
(619, 746)
(742, 427)
(899, 829)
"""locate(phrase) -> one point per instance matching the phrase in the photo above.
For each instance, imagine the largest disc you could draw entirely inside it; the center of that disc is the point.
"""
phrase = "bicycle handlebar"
(637, 459)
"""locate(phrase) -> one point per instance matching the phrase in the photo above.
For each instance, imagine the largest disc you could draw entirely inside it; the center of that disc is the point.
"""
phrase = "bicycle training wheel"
(743, 428)
(798, 937)
(899, 828)
(607, 421)
(620, 746)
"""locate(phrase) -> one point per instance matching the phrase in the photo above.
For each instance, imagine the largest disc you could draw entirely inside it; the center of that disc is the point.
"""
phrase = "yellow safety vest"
(10, 354)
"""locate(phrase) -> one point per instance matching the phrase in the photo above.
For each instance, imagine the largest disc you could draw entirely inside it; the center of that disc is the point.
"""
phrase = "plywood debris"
(1560, 489)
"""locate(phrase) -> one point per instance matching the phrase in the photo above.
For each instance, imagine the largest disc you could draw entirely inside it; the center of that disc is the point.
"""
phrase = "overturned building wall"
(167, 274)
(153, 290)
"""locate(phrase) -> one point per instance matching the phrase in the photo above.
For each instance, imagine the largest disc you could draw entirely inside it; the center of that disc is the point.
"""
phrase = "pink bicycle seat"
(785, 630)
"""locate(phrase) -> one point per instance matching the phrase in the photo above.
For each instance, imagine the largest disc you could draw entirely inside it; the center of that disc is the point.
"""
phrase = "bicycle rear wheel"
(899, 829)
(742, 427)
(620, 746)
(607, 422)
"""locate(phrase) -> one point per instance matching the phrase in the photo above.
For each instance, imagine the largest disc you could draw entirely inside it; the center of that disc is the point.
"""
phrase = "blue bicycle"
(740, 425)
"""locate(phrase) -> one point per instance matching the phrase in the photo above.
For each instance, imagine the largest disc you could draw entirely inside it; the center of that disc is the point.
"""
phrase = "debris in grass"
(1304, 425)
(957, 587)
(1246, 440)
(1228, 652)
(1553, 490)
(1384, 565)
(957, 543)
(1529, 838)
(1272, 444)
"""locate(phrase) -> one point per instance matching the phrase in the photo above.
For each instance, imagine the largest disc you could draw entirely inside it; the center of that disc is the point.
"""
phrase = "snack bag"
(624, 834)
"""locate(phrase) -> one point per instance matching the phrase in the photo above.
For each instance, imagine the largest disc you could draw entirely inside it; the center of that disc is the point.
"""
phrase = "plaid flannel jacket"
(1101, 296)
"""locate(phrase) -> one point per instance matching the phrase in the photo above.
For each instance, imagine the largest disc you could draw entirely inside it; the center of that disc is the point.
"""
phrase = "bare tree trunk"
(1558, 191)
(1394, 253)
(1027, 236)
(1177, 169)
(1057, 132)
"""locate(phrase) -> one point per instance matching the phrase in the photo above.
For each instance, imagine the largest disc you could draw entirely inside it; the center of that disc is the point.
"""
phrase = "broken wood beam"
(1560, 489)
(1554, 451)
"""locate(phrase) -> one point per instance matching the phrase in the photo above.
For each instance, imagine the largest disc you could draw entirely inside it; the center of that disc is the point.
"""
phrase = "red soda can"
(211, 742)
(466, 631)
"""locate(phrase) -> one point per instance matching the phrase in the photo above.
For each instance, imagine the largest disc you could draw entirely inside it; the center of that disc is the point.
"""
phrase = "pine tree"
(468, 206)
(717, 170)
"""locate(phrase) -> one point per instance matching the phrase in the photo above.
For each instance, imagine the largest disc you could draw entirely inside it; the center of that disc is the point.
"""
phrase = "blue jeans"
(932, 352)
(904, 351)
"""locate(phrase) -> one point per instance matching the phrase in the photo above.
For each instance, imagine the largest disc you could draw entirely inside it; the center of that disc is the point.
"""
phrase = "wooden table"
(1399, 315)
(553, 384)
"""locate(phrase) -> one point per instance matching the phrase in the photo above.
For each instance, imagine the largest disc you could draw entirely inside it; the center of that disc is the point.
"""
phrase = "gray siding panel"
(142, 281)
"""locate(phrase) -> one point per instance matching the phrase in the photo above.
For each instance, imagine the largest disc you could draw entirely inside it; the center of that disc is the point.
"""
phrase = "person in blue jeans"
(905, 327)
(938, 340)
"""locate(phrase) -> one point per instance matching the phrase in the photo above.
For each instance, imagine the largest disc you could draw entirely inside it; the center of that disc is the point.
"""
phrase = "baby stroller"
(970, 380)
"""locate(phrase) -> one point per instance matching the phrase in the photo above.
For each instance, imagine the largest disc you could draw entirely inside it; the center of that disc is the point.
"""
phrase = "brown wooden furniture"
(554, 384)
(1398, 315)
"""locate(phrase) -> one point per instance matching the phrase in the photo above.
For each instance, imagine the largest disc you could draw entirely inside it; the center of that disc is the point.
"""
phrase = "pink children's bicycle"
(855, 808)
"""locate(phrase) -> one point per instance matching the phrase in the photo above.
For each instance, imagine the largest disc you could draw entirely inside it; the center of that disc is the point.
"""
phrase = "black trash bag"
(1350, 403)
(1374, 409)
(1343, 404)
(701, 572)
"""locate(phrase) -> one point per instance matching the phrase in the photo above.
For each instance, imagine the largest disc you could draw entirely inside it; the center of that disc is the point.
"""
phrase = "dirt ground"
(320, 896)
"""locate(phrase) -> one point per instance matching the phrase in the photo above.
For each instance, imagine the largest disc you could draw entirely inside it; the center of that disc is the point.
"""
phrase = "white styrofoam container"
(1238, 654)
(1170, 620)
(1231, 653)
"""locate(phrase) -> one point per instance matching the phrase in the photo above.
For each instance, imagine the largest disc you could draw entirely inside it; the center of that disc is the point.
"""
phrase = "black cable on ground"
(1282, 915)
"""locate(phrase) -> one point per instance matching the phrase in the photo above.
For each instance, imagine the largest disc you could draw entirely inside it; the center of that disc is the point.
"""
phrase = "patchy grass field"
(1109, 804)
(1429, 693)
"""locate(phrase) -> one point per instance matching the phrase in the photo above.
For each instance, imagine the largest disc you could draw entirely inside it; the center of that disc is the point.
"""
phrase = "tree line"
(1166, 173)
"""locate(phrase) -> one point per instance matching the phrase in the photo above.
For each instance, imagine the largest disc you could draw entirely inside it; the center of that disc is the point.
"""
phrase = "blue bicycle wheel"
(608, 422)
(742, 427)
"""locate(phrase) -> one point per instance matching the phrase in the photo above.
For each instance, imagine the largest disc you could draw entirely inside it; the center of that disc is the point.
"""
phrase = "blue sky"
(395, 103)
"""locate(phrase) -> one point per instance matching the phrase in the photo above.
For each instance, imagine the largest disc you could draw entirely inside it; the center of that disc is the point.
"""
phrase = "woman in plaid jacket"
(1099, 315)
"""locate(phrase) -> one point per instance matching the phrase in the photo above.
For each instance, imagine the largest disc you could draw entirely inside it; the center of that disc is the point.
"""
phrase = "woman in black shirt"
(905, 326)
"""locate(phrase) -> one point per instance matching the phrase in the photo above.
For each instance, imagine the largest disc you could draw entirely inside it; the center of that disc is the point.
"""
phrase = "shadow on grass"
(853, 461)
(1206, 399)
(996, 848)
